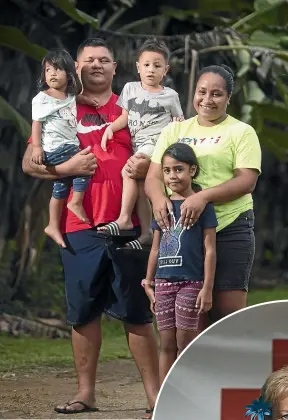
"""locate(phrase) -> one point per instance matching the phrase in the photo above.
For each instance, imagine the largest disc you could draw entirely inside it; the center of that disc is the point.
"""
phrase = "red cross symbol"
(233, 401)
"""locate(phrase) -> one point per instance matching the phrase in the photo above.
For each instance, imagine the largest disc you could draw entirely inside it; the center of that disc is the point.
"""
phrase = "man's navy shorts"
(99, 278)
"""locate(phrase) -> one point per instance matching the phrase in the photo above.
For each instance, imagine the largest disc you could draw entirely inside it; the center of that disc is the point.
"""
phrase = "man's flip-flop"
(112, 229)
(85, 409)
(135, 246)
(149, 413)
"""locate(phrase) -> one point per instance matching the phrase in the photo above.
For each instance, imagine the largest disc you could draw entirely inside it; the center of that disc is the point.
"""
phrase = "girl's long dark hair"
(62, 60)
(184, 153)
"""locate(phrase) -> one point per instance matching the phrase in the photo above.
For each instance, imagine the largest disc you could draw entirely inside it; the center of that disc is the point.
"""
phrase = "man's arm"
(82, 164)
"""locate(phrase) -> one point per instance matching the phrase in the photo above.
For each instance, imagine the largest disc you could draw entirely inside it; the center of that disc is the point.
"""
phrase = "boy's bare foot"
(121, 223)
(79, 211)
(56, 235)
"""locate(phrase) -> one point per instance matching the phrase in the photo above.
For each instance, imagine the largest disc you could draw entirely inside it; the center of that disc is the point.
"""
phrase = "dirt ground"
(119, 393)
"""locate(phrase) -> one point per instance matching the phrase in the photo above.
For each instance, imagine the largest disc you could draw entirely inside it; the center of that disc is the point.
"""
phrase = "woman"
(229, 156)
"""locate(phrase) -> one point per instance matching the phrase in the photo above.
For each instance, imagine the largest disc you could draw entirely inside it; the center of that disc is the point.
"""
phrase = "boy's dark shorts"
(235, 248)
(99, 278)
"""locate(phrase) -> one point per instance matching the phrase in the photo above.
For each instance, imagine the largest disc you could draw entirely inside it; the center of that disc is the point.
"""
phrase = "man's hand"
(137, 166)
(83, 163)
(37, 155)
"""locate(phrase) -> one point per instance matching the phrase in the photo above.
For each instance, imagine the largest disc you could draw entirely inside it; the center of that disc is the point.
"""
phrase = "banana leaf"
(8, 113)
(13, 38)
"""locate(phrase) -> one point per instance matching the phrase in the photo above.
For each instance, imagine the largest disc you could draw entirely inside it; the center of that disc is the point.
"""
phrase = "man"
(98, 276)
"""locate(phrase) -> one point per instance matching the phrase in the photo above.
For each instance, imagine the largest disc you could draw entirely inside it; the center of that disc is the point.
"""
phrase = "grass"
(267, 295)
(26, 353)
(29, 353)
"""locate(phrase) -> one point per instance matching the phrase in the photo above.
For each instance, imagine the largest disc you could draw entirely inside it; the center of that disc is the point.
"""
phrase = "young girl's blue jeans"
(61, 187)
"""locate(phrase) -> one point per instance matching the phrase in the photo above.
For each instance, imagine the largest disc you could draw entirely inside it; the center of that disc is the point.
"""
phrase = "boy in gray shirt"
(147, 107)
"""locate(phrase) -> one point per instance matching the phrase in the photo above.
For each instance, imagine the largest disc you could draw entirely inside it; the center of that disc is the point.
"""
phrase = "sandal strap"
(134, 245)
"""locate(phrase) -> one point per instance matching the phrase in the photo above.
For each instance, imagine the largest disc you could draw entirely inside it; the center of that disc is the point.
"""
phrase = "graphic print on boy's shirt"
(181, 254)
(148, 112)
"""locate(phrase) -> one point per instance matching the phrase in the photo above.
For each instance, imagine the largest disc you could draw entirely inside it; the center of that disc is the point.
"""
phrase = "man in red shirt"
(99, 274)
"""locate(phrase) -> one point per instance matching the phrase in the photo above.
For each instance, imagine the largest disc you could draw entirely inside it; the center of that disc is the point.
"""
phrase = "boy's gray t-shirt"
(148, 114)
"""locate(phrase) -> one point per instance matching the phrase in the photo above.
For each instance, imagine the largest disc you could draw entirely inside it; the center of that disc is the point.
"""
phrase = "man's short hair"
(155, 45)
(95, 42)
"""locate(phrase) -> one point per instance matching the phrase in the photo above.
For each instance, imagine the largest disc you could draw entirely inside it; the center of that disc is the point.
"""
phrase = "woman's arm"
(83, 163)
(210, 257)
(155, 191)
(204, 299)
(243, 182)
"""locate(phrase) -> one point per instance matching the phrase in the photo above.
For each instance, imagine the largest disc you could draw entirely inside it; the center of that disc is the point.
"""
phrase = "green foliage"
(78, 15)
(260, 296)
(7, 112)
(14, 38)
(251, 39)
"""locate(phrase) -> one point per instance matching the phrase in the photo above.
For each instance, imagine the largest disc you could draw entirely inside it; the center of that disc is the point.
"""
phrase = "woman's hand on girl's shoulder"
(161, 210)
(191, 209)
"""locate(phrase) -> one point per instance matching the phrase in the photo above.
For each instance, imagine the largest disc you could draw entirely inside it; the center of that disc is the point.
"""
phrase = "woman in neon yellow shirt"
(229, 156)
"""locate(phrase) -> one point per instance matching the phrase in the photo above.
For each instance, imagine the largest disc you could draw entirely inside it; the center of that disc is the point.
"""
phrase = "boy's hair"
(62, 60)
(95, 42)
(184, 153)
(276, 387)
(154, 45)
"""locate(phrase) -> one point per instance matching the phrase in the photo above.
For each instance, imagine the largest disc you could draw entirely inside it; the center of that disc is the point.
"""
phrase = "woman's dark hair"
(184, 153)
(224, 71)
(62, 60)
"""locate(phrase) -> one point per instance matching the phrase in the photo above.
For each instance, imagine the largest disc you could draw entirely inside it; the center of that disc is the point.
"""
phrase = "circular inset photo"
(235, 370)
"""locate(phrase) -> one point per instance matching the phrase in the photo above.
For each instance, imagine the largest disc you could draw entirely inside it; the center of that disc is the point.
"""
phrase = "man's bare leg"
(86, 342)
(143, 346)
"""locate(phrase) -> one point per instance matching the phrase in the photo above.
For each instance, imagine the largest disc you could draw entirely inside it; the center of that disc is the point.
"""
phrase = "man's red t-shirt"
(102, 200)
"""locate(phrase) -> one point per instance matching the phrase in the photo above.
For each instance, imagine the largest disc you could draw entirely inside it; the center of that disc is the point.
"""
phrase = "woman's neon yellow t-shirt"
(220, 150)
